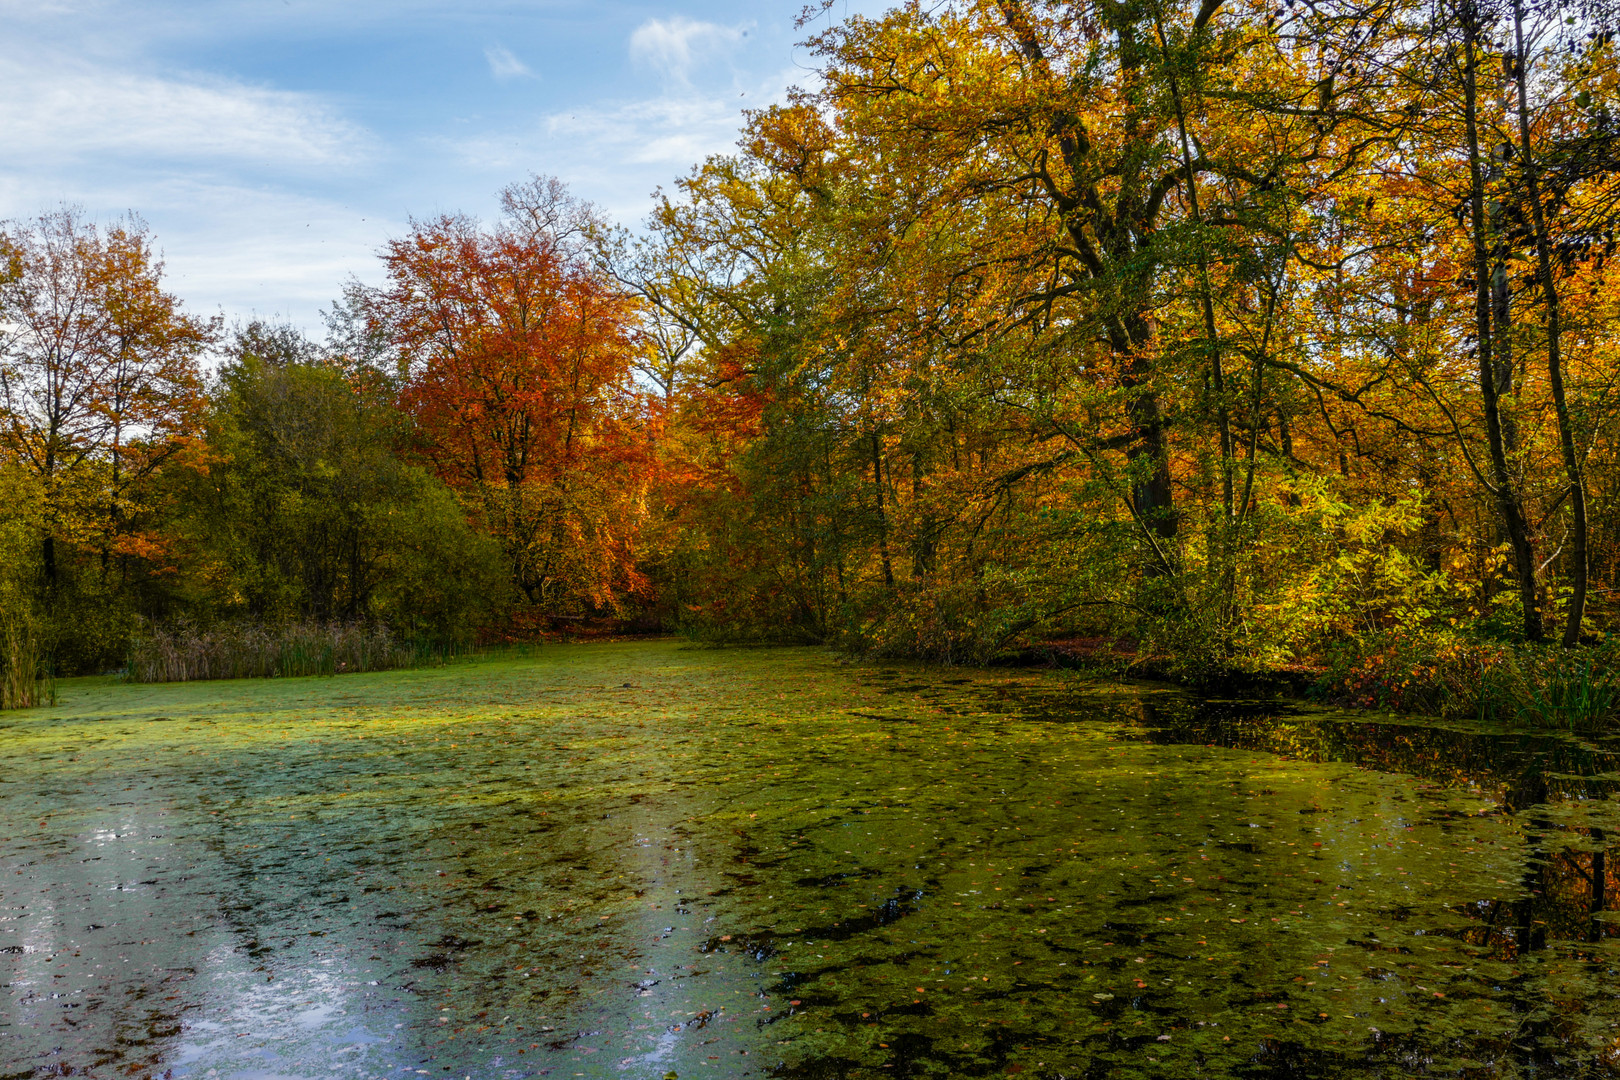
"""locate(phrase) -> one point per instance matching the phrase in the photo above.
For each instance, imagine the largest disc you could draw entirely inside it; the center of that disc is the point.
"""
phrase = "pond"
(648, 860)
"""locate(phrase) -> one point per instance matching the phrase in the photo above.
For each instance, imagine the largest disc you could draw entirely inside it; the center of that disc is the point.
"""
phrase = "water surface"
(637, 860)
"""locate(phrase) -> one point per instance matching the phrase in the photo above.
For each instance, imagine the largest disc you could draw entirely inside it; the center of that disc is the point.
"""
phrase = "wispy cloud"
(504, 66)
(674, 47)
(234, 246)
(677, 132)
(245, 148)
(616, 152)
(56, 111)
(233, 176)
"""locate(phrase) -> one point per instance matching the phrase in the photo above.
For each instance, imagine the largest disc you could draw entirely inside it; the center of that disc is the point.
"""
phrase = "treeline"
(1248, 334)
(464, 455)
(1231, 334)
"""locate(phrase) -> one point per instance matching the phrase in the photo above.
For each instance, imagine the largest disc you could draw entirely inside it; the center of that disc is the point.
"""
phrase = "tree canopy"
(1219, 331)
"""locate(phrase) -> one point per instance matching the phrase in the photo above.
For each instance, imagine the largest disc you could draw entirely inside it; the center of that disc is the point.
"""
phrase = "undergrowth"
(1444, 674)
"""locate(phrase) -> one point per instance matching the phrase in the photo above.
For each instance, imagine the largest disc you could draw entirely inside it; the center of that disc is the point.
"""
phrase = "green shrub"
(1448, 673)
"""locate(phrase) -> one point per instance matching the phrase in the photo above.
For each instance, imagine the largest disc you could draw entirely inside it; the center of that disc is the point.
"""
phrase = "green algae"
(637, 859)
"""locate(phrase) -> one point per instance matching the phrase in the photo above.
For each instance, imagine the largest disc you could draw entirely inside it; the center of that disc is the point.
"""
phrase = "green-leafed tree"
(306, 511)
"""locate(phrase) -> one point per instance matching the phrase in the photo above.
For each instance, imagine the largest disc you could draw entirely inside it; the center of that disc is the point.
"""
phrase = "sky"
(273, 146)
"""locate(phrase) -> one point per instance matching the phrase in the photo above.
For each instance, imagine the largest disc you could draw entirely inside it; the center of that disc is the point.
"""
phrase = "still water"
(647, 860)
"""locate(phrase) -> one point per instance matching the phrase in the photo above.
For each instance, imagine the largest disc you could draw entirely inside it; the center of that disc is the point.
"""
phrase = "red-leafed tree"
(518, 363)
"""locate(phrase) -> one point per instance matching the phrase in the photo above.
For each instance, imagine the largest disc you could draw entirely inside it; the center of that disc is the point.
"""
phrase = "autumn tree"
(99, 376)
(306, 508)
(517, 361)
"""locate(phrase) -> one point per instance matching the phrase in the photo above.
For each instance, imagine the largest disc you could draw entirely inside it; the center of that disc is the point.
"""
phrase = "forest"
(1212, 339)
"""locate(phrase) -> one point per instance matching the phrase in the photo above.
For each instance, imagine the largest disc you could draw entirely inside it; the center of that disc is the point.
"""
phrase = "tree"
(517, 361)
(306, 511)
(99, 377)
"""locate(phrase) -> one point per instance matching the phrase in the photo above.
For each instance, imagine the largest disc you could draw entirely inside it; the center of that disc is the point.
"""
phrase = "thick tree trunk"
(1150, 467)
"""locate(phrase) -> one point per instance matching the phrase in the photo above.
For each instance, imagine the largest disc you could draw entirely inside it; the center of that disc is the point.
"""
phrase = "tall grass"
(248, 650)
(25, 679)
(1551, 688)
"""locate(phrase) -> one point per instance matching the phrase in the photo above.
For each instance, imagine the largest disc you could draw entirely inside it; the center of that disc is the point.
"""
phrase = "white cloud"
(674, 47)
(229, 245)
(673, 131)
(504, 66)
(51, 110)
(615, 154)
(243, 185)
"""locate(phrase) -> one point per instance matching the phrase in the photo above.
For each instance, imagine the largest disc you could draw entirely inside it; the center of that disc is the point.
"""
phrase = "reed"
(248, 650)
(25, 679)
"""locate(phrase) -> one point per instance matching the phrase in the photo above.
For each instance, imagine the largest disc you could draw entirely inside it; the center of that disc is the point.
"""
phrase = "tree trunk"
(883, 520)
(1578, 558)
(1502, 487)
(48, 560)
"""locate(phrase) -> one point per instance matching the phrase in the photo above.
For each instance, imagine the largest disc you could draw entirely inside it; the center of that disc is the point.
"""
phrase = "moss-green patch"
(628, 859)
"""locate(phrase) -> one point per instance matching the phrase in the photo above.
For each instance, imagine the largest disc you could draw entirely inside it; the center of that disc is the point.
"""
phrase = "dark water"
(638, 860)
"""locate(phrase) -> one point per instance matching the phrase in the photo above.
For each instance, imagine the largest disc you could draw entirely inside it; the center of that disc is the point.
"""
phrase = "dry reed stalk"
(23, 681)
(244, 650)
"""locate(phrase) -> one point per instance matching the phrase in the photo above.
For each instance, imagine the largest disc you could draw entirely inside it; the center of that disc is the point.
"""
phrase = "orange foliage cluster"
(517, 362)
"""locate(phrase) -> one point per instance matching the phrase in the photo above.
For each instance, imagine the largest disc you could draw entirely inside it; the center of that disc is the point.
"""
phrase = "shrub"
(1413, 670)
(1447, 673)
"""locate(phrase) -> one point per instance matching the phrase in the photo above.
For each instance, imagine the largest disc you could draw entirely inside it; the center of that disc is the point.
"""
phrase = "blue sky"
(274, 145)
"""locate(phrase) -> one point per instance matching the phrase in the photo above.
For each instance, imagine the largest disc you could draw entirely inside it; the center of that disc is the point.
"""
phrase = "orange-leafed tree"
(517, 360)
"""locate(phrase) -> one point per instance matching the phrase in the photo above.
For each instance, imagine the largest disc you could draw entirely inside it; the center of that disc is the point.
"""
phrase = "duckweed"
(644, 859)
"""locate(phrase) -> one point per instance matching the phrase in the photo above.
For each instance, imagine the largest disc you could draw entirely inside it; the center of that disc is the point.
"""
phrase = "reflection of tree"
(1598, 879)
(1578, 889)
(1531, 791)
(1492, 760)
(1554, 790)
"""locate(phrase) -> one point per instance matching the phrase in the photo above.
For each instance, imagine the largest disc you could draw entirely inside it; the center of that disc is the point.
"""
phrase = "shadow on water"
(636, 860)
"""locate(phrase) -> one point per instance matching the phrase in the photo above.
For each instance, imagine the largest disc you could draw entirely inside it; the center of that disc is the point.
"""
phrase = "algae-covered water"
(646, 860)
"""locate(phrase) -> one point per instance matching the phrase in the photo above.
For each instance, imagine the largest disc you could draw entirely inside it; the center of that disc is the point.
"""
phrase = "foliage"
(306, 511)
(99, 397)
(1438, 672)
(1579, 693)
(1176, 324)
(98, 367)
(516, 359)
(1451, 674)
(1258, 337)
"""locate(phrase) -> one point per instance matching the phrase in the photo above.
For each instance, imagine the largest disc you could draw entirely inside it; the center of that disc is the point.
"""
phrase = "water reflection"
(1557, 792)
(1557, 788)
(637, 860)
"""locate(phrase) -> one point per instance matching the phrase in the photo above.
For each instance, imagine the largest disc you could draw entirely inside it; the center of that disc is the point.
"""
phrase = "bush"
(246, 650)
(1432, 672)
(1546, 686)
(1447, 673)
